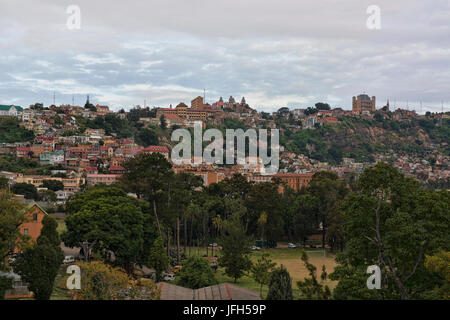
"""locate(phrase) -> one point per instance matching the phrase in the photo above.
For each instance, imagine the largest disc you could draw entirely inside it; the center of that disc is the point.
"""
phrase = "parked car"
(168, 277)
(177, 269)
(213, 244)
(292, 245)
(12, 259)
(256, 248)
(69, 259)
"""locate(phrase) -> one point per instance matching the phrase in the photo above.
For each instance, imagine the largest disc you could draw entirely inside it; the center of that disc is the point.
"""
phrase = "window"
(25, 231)
(35, 217)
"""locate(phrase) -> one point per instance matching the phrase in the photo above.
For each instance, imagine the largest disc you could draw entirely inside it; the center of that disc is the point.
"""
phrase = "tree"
(162, 119)
(101, 281)
(158, 258)
(329, 191)
(280, 285)
(181, 190)
(439, 264)
(11, 131)
(393, 223)
(261, 223)
(11, 217)
(53, 185)
(4, 182)
(261, 271)
(299, 215)
(196, 273)
(104, 282)
(29, 191)
(264, 198)
(235, 248)
(113, 221)
(5, 284)
(47, 195)
(322, 106)
(147, 175)
(310, 111)
(147, 137)
(39, 265)
(311, 288)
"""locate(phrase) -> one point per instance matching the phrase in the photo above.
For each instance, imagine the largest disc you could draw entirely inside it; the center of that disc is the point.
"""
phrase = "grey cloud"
(275, 53)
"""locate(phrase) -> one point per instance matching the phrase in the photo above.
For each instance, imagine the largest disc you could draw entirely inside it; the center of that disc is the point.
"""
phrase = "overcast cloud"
(276, 53)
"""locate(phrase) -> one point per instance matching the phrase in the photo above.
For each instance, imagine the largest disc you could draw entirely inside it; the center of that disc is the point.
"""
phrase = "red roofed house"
(158, 149)
(116, 170)
(91, 170)
(102, 110)
(330, 120)
(23, 152)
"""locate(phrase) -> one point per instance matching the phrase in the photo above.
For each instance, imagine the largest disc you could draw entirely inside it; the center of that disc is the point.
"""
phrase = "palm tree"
(218, 224)
(262, 222)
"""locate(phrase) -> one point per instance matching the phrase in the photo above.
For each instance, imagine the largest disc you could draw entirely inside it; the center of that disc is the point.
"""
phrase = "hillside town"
(94, 157)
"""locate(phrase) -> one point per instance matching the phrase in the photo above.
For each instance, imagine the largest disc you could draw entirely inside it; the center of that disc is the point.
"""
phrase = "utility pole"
(54, 98)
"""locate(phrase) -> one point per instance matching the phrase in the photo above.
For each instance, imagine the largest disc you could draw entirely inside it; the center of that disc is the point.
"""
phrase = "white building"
(10, 111)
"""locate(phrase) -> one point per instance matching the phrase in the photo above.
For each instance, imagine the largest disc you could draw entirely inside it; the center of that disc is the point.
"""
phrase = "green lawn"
(61, 226)
(59, 288)
(290, 258)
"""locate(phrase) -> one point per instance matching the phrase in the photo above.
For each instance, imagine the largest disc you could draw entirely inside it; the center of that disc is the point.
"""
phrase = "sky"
(275, 53)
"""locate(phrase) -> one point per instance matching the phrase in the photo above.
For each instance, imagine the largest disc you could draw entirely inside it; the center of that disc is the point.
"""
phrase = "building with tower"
(363, 104)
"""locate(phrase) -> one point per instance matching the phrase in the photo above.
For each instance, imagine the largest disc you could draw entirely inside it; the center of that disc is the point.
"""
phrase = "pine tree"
(280, 286)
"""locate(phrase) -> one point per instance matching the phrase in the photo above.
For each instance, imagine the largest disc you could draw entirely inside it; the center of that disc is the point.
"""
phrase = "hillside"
(355, 138)
(361, 139)
(10, 131)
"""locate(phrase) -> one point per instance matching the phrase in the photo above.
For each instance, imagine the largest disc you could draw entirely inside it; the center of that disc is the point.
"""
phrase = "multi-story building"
(53, 158)
(10, 111)
(197, 103)
(70, 184)
(363, 104)
(158, 149)
(93, 179)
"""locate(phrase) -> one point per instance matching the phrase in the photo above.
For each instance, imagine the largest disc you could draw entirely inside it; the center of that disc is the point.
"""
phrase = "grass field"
(288, 257)
(59, 288)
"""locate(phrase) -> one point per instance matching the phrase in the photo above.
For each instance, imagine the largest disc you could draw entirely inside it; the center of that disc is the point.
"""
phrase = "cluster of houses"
(94, 157)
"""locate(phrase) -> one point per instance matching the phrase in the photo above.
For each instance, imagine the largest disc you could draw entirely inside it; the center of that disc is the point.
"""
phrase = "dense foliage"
(10, 131)
(39, 265)
(196, 273)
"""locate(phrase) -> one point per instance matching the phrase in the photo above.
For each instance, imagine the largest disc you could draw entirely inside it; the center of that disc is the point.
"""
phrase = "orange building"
(157, 149)
(197, 103)
(295, 181)
(32, 225)
(38, 149)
